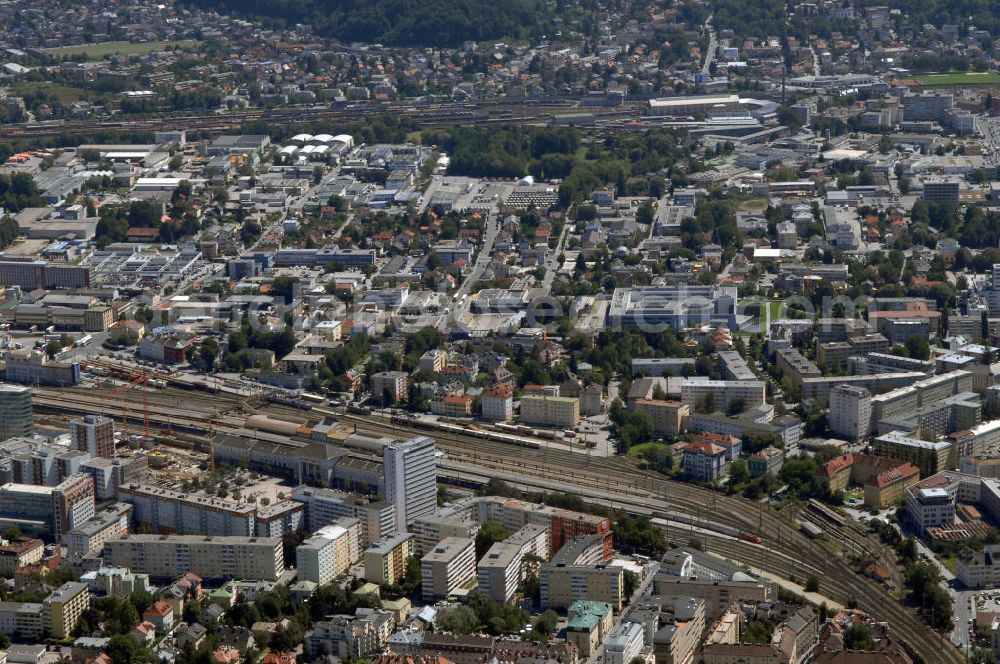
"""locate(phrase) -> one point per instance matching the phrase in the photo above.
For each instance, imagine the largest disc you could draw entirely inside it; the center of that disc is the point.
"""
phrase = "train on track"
(705, 524)
(461, 430)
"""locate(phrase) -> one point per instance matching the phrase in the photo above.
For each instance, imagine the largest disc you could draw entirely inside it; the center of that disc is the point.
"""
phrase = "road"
(552, 260)
(713, 45)
(649, 573)
(815, 56)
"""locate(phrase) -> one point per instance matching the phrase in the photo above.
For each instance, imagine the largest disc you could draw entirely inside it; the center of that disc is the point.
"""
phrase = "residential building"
(94, 434)
(330, 552)
(448, 568)
(669, 417)
(624, 644)
(64, 606)
(564, 584)
(325, 506)
(499, 571)
(385, 561)
(929, 457)
(497, 403)
(704, 461)
(703, 393)
(766, 461)
(168, 556)
(108, 524)
(550, 411)
(850, 412)
(589, 623)
(389, 387)
(18, 553)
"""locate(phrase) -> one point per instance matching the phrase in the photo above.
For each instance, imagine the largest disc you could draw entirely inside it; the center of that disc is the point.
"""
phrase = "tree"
(459, 620)
(489, 533)
(857, 637)
(812, 585)
(917, 347)
(739, 473)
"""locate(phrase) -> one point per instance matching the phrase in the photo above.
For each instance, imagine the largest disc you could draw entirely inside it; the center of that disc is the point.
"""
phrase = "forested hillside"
(404, 22)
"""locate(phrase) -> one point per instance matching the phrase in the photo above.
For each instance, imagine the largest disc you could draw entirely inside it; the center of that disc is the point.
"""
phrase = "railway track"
(612, 479)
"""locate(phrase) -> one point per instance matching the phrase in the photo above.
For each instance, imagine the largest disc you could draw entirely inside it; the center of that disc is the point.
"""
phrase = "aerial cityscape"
(510, 332)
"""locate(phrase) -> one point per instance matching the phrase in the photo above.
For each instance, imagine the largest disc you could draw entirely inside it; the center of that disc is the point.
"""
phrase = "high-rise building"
(410, 469)
(94, 434)
(15, 411)
(850, 411)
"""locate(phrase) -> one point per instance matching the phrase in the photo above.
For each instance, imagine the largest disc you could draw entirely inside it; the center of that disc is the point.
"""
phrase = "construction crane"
(134, 380)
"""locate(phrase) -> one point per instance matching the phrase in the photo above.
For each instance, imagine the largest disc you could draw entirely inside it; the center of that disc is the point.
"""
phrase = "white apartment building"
(449, 567)
(850, 411)
(330, 552)
(499, 571)
(550, 411)
(168, 556)
(624, 643)
(720, 394)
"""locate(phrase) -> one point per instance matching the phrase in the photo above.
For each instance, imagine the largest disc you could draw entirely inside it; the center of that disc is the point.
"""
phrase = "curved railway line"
(785, 552)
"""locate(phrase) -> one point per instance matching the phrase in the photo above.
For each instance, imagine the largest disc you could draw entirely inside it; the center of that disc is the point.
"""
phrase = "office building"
(94, 434)
(850, 412)
(385, 561)
(410, 469)
(48, 510)
(330, 552)
(979, 569)
(16, 418)
(169, 556)
(655, 308)
(64, 606)
(550, 411)
(448, 568)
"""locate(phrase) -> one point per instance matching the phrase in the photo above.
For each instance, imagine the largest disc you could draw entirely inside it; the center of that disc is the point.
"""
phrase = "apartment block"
(385, 561)
(448, 568)
(564, 584)
(669, 417)
(168, 556)
(64, 606)
(330, 552)
(720, 394)
(497, 403)
(325, 506)
(850, 412)
(550, 411)
(929, 457)
(165, 510)
(389, 387)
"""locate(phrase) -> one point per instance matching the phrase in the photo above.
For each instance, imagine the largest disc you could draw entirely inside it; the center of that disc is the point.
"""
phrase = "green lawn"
(960, 78)
(65, 93)
(102, 49)
(645, 448)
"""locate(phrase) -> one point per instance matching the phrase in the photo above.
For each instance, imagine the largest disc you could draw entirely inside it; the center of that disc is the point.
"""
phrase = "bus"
(84, 340)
